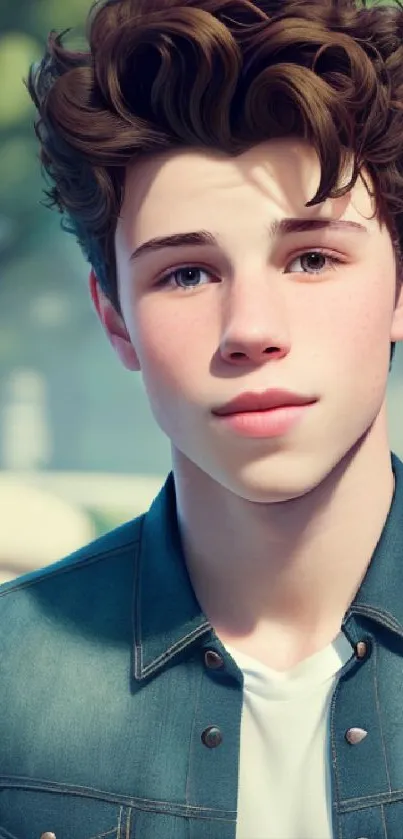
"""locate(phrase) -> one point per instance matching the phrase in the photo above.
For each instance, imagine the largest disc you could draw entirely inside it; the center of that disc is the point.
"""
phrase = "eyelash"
(165, 279)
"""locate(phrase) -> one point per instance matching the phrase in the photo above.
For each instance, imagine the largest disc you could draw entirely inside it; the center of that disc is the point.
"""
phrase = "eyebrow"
(279, 227)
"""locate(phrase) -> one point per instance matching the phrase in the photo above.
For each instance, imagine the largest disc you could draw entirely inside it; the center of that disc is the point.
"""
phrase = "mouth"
(267, 423)
(266, 401)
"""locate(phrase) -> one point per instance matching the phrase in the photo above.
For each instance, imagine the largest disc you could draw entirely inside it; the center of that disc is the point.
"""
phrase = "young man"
(230, 664)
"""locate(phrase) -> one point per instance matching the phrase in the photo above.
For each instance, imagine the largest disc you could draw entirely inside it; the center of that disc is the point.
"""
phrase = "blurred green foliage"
(24, 26)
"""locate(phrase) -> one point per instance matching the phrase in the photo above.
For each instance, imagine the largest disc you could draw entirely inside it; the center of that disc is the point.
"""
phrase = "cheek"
(354, 332)
(173, 348)
(365, 321)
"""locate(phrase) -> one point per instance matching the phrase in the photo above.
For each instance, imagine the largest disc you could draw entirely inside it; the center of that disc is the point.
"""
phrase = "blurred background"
(79, 449)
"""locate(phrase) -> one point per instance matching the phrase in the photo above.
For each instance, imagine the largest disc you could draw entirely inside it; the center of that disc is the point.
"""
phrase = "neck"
(295, 564)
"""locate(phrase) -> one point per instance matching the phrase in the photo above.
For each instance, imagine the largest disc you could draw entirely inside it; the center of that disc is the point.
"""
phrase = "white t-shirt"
(284, 776)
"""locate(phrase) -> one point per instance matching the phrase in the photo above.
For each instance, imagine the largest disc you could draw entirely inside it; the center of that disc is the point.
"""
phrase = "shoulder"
(118, 542)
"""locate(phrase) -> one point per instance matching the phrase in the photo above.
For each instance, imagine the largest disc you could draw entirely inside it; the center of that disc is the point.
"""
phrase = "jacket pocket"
(27, 814)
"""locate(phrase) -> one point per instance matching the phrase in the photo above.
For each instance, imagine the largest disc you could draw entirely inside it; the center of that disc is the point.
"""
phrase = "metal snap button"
(48, 836)
(212, 737)
(355, 735)
(361, 649)
(213, 660)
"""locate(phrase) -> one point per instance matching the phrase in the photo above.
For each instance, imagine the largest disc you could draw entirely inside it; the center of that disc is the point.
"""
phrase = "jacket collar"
(380, 596)
(166, 613)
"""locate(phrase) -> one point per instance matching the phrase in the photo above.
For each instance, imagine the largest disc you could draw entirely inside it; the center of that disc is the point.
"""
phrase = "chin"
(270, 490)
(272, 495)
(275, 482)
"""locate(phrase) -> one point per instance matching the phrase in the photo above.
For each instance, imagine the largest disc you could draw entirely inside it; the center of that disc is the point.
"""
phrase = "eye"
(315, 261)
(188, 277)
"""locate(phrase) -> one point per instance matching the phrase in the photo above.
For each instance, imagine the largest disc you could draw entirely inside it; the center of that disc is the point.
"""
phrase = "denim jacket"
(120, 709)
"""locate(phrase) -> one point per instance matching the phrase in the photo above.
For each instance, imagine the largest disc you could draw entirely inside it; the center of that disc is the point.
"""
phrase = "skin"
(277, 533)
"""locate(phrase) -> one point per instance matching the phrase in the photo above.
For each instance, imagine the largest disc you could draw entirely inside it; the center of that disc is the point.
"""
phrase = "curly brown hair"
(219, 74)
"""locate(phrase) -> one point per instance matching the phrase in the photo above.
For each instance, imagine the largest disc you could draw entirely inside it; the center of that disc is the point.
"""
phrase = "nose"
(255, 325)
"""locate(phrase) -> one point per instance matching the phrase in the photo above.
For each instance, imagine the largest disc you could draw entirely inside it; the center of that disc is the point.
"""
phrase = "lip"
(273, 423)
(265, 401)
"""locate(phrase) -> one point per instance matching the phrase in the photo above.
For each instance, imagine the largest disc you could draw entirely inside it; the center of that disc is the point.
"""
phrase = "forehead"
(179, 190)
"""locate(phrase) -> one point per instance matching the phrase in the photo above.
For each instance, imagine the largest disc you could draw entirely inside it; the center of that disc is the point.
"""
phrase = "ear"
(113, 325)
(397, 322)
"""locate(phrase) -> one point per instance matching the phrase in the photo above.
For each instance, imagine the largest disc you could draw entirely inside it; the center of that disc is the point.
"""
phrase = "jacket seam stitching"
(380, 718)
(366, 801)
(384, 821)
(388, 620)
(78, 565)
